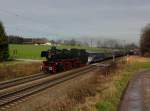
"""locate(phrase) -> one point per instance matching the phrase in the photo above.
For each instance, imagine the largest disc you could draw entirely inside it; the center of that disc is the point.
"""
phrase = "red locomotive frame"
(51, 67)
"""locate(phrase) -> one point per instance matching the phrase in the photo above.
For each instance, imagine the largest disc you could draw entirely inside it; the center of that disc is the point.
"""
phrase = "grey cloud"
(119, 19)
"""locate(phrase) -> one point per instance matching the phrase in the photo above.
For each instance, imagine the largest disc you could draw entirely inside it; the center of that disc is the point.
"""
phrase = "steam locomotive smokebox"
(44, 54)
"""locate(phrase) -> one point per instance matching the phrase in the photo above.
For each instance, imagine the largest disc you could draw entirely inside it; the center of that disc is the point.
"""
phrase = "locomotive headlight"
(50, 68)
(41, 67)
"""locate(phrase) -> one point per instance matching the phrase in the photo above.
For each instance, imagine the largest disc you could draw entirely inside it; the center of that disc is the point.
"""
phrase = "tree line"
(109, 43)
(12, 39)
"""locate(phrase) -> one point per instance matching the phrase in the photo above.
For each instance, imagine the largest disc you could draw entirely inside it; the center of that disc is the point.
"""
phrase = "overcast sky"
(119, 19)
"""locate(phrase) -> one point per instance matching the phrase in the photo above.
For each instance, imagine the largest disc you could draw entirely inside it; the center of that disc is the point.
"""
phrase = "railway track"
(21, 90)
(21, 80)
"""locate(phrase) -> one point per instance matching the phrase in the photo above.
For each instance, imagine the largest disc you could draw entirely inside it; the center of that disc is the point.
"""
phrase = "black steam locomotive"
(62, 60)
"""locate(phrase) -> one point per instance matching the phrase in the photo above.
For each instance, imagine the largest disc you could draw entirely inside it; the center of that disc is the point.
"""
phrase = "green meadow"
(33, 51)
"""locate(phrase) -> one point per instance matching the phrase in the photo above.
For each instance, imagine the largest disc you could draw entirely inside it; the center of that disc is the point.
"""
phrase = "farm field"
(33, 51)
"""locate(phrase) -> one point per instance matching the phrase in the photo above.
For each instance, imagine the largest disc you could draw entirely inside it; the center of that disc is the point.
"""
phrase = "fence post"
(113, 58)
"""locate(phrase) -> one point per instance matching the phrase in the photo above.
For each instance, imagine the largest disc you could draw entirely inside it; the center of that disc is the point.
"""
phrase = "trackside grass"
(14, 69)
(110, 98)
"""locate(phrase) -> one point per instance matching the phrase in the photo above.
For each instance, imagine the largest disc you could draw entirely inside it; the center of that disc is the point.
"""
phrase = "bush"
(104, 106)
(4, 54)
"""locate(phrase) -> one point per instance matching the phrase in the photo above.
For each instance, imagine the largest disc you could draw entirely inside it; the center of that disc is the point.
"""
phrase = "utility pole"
(91, 42)
(124, 41)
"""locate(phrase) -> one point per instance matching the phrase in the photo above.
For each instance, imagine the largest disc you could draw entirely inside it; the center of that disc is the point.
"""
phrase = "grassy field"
(33, 51)
(110, 98)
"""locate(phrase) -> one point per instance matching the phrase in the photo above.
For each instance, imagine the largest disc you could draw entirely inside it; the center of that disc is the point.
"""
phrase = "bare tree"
(85, 43)
(111, 43)
(145, 40)
(99, 44)
(131, 46)
(72, 42)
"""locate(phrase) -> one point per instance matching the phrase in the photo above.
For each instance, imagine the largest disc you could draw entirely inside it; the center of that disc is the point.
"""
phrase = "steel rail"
(21, 80)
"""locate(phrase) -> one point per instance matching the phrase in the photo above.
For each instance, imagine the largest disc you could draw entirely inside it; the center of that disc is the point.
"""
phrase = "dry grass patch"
(70, 96)
(10, 71)
(103, 84)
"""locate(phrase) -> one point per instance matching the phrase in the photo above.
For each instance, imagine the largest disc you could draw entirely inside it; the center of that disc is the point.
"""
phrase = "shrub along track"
(21, 88)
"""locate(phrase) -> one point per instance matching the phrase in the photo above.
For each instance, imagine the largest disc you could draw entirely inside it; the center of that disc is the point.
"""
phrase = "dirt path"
(137, 95)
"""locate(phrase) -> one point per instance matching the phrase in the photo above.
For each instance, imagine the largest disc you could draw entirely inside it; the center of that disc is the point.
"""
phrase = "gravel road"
(137, 94)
